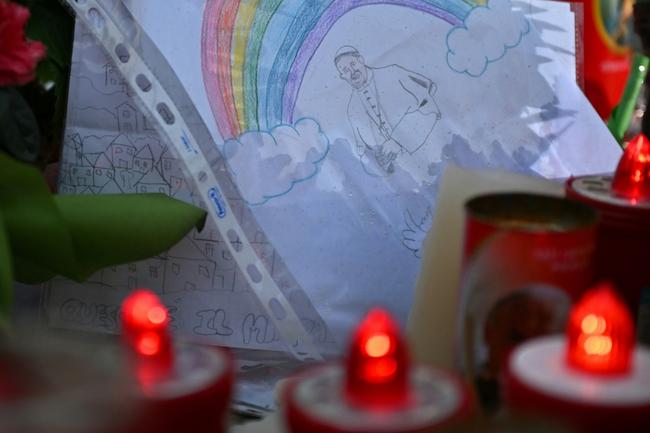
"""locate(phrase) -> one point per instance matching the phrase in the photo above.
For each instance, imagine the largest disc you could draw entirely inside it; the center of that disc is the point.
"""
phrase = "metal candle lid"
(530, 212)
(598, 188)
(625, 196)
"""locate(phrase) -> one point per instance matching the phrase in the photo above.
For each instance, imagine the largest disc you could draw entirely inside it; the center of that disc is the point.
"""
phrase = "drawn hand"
(392, 147)
(384, 131)
(385, 158)
(415, 233)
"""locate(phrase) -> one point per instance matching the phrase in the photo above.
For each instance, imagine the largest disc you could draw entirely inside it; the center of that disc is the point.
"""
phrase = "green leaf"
(6, 274)
(37, 233)
(122, 228)
(29, 273)
(18, 127)
(75, 236)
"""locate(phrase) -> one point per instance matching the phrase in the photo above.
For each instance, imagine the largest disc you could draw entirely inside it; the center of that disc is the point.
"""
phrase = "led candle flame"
(632, 178)
(144, 325)
(378, 364)
(600, 333)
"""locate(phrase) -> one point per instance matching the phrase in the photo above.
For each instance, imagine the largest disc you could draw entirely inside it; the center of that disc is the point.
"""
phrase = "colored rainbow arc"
(239, 35)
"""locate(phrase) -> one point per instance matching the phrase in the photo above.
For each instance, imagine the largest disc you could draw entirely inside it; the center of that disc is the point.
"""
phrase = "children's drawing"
(280, 159)
(487, 33)
(400, 87)
(281, 89)
(416, 230)
(391, 109)
(255, 54)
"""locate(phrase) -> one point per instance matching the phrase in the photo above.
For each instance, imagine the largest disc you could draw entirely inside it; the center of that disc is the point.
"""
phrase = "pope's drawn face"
(352, 69)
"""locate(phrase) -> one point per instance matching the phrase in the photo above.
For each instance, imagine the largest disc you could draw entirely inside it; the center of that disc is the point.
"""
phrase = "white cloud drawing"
(267, 164)
(486, 35)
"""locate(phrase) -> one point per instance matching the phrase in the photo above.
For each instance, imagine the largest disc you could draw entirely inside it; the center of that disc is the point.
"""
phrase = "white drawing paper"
(336, 119)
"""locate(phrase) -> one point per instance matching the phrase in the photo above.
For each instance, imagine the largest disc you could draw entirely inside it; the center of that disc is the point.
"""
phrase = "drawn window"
(133, 267)
(129, 151)
(176, 268)
(209, 249)
(190, 286)
(204, 271)
(144, 164)
(153, 272)
(168, 165)
(133, 282)
(98, 171)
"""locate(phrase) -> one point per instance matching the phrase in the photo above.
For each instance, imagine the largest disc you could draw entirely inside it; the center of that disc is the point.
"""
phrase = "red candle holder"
(182, 386)
(376, 390)
(561, 235)
(593, 378)
(623, 235)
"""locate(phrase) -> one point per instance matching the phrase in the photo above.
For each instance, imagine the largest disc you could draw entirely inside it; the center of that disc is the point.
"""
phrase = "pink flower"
(18, 56)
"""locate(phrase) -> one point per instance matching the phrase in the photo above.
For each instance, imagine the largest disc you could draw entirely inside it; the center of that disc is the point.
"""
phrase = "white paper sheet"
(343, 200)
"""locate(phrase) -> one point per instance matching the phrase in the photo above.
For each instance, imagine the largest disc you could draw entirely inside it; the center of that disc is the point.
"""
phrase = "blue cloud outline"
(487, 61)
(293, 183)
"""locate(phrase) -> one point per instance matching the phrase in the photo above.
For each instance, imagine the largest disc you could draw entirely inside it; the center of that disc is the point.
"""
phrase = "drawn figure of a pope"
(391, 109)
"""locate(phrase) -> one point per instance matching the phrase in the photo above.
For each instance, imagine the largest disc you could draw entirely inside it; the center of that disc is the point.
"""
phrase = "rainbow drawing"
(239, 36)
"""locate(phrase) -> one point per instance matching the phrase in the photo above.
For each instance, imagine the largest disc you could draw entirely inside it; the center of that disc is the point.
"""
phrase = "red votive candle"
(377, 390)
(182, 386)
(623, 236)
(594, 378)
(560, 233)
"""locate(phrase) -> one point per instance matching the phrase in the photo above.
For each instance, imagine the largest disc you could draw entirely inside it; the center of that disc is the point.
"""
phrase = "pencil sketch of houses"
(112, 148)
(127, 118)
(113, 81)
(188, 268)
(226, 267)
(121, 153)
(82, 173)
(143, 160)
(111, 187)
(172, 171)
(152, 182)
(103, 171)
(148, 273)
